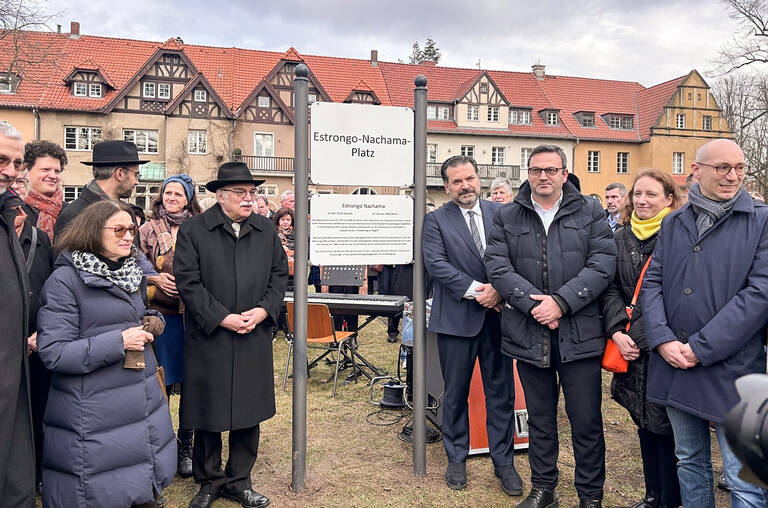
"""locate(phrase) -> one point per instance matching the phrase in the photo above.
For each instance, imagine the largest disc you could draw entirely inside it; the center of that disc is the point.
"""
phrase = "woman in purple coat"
(108, 434)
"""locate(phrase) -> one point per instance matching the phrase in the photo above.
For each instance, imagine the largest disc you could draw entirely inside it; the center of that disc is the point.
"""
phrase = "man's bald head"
(710, 149)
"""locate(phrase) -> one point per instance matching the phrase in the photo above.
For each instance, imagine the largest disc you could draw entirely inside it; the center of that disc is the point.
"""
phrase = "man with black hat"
(231, 272)
(115, 174)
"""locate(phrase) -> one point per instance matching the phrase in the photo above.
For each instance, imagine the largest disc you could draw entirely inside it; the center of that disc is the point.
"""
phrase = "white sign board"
(350, 229)
(361, 144)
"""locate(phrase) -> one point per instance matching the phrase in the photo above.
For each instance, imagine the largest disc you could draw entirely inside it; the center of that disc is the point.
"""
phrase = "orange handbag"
(612, 359)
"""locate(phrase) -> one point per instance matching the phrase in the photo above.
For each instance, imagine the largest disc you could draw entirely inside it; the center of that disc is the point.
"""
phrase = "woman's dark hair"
(667, 183)
(282, 212)
(192, 204)
(84, 232)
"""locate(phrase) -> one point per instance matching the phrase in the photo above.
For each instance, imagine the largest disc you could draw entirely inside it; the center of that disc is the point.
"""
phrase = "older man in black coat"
(17, 469)
(231, 273)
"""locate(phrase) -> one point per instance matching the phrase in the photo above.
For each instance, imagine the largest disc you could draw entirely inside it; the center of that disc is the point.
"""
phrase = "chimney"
(538, 70)
(74, 30)
(58, 29)
(374, 58)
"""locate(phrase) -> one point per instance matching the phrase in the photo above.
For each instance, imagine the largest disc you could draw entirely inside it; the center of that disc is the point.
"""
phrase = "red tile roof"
(234, 73)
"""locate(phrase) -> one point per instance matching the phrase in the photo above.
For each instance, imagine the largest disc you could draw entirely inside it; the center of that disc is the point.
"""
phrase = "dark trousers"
(457, 361)
(206, 460)
(340, 321)
(660, 468)
(581, 382)
(39, 383)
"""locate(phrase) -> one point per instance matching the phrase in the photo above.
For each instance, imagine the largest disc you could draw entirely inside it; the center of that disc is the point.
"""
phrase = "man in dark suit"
(465, 316)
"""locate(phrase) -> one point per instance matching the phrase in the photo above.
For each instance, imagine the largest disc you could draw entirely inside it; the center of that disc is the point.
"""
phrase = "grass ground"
(354, 463)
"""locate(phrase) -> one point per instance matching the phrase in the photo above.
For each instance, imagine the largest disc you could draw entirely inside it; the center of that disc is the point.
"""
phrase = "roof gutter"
(36, 114)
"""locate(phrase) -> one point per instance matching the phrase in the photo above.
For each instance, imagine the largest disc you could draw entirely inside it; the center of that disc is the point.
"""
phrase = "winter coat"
(108, 434)
(228, 377)
(70, 211)
(42, 265)
(574, 261)
(629, 389)
(17, 472)
(711, 292)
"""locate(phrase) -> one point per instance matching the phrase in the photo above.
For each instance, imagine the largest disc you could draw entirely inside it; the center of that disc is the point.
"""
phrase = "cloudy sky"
(648, 41)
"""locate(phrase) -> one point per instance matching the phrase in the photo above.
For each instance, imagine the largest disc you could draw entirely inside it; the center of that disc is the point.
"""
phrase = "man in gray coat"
(550, 254)
(231, 272)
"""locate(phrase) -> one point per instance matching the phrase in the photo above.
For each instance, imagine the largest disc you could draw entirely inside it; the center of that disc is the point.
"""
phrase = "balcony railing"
(487, 173)
(264, 163)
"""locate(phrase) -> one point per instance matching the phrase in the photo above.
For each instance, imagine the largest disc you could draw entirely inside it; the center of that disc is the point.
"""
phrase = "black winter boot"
(184, 449)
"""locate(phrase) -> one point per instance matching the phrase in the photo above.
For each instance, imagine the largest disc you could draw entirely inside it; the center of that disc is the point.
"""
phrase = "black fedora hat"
(112, 153)
(231, 173)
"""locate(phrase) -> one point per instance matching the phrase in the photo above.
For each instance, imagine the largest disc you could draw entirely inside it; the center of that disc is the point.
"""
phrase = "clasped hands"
(677, 354)
(244, 322)
(547, 312)
(488, 297)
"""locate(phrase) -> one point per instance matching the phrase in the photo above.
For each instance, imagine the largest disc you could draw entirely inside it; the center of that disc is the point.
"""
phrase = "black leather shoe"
(590, 503)
(202, 500)
(540, 498)
(647, 502)
(248, 498)
(456, 475)
(184, 453)
(511, 483)
(392, 338)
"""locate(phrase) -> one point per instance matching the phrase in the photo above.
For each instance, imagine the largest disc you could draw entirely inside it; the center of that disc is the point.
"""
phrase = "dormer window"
(550, 117)
(431, 112)
(80, 90)
(311, 97)
(95, 90)
(201, 95)
(519, 116)
(585, 118)
(443, 113)
(148, 91)
(9, 83)
(620, 122)
(163, 91)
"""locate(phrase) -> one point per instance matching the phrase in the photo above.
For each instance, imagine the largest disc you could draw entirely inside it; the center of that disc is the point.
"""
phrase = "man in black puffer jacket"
(550, 255)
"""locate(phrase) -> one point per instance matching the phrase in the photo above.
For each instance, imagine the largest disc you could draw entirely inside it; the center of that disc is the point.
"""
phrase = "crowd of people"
(106, 315)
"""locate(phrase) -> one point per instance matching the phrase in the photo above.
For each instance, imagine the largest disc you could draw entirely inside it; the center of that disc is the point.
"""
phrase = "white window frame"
(593, 161)
(148, 90)
(200, 95)
(519, 117)
(627, 123)
(272, 147)
(443, 113)
(680, 121)
(85, 138)
(678, 163)
(587, 120)
(552, 118)
(71, 192)
(160, 88)
(467, 150)
(706, 123)
(615, 122)
(525, 154)
(95, 90)
(473, 112)
(622, 163)
(311, 97)
(431, 152)
(80, 89)
(498, 154)
(493, 113)
(195, 139)
(264, 101)
(431, 112)
(144, 139)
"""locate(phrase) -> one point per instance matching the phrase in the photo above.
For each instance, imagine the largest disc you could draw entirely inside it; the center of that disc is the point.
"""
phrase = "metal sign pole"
(419, 300)
(301, 256)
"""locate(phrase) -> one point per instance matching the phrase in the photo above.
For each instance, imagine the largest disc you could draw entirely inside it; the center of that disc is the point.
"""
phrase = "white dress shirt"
(547, 216)
(471, 292)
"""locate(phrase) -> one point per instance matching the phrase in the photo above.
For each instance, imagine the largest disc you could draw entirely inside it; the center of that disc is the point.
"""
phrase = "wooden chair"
(321, 335)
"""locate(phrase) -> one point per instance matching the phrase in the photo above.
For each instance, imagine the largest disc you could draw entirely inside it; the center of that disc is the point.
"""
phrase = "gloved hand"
(153, 325)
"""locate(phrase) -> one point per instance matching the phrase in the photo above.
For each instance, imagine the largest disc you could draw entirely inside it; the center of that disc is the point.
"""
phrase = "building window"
(263, 144)
(364, 191)
(706, 123)
(473, 112)
(593, 162)
(615, 122)
(311, 97)
(468, 150)
(497, 155)
(431, 152)
(483, 87)
(551, 117)
(264, 101)
(94, 90)
(627, 122)
(678, 163)
(80, 90)
(201, 95)
(71, 193)
(519, 116)
(525, 154)
(622, 163)
(431, 112)
(443, 113)
(198, 142)
(163, 91)
(145, 140)
(587, 120)
(9, 82)
(493, 113)
(148, 90)
(680, 121)
(81, 138)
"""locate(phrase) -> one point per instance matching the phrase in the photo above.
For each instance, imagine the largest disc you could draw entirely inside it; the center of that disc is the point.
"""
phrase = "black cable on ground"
(387, 416)
(406, 435)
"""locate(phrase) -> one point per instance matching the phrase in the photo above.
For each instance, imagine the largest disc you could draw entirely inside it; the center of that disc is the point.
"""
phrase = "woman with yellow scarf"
(653, 195)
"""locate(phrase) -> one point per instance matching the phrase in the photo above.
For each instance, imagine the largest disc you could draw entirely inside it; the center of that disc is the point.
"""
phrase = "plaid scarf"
(126, 277)
(48, 209)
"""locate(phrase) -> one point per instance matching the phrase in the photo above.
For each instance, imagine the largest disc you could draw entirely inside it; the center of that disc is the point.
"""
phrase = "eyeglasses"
(724, 169)
(5, 161)
(120, 231)
(136, 173)
(240, 193)
(21, 181)
(550, 171)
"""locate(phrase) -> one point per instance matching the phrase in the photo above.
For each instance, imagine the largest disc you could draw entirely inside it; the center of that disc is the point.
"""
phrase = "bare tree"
(750, 44)
(743, 99)
(17, 19)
